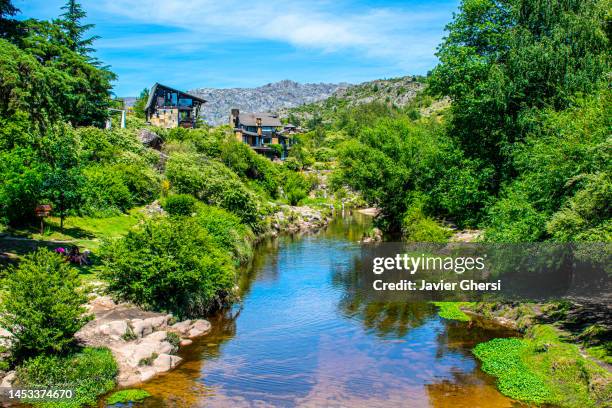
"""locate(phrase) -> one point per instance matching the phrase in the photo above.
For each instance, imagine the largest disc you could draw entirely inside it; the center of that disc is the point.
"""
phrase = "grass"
(91, 372)
(125, 396)
(452, 310)
(84, 232)
(541, 368)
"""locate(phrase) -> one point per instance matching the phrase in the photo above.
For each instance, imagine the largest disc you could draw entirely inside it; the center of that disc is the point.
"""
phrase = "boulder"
(166, 362)
(147, 373)
(8, 379)
(157, 336)
(185, 342)
(182, 327)
(157, 322)
(141, 327)
(114, 329)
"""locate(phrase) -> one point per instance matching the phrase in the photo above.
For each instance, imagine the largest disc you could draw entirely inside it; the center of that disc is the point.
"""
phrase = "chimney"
(235, 113)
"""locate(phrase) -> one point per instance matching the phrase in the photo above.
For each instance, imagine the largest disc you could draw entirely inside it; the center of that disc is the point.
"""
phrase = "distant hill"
(397, 92)
(271, 97)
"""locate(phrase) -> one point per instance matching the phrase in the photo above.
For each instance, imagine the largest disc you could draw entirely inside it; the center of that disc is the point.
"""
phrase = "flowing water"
(301, 337)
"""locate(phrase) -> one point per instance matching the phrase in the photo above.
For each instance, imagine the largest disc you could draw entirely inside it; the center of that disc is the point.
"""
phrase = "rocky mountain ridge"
(270, 97)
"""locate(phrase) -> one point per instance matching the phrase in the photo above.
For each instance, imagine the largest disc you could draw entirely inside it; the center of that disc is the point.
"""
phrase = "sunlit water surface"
(301, 338)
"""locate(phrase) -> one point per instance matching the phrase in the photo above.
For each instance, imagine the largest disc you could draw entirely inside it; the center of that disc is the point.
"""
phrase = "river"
(301, 337)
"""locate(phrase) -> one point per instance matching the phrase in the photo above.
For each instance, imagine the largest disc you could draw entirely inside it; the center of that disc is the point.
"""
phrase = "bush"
(296, 187)
(227, 231)
(250, 165)
(416, 227)
(213, 183)
(170, 265)
(42, 305)
(179, 204)
(90, 372)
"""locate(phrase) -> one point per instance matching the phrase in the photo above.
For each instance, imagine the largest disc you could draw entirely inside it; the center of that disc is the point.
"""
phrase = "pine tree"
(75, 30)
(7, 10)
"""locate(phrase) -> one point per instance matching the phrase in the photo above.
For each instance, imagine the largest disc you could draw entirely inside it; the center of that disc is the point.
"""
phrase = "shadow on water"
(301, 337)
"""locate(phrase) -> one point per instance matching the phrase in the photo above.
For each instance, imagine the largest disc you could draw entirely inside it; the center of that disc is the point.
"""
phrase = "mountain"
(271, 97)
(397, 92)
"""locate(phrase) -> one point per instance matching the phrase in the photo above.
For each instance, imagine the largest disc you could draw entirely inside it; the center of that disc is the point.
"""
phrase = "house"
(169, 108)
(260, 131)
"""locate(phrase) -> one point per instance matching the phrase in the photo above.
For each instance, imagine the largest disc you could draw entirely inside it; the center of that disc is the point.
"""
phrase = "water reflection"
(301, 337)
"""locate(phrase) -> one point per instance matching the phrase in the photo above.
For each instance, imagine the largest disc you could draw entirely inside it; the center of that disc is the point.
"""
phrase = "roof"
(158, 85)
(250, 119)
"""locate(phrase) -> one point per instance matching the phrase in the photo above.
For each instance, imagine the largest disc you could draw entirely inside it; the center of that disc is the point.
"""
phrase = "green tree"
(140, 103)
(7, 25)
(71, 22)
(42, 305)
(503, 59)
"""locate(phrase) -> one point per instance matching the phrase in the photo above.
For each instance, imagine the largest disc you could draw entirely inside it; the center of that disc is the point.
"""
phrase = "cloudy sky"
(230, 43)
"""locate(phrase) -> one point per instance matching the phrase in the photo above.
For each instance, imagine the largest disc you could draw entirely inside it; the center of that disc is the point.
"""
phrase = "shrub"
(42, 305)
(514, 219)
(214, 183)
(227, 231)
(105, 192)
(179, 204)
(170, 265)
(250, 165)
(90, 372)
(416, 227)
(296, 187)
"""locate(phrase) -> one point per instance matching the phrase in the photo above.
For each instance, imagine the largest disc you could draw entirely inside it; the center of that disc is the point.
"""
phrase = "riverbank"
(551, 363)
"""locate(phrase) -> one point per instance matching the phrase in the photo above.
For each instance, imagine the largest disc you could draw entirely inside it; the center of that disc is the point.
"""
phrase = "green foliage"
(172, 265)
(502, 359)
(543, 369)
(416, 227)
(42, 304)
(227, 230)
(179, 204)
(214, 183)
(90, 372)
(452, 311)
(250, 165)
(296, 187)
(502, 59)
(140, 103)
(127, 396)
(70, 21)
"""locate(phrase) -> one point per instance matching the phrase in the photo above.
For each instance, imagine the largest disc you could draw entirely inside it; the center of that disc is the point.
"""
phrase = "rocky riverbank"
(143, 343)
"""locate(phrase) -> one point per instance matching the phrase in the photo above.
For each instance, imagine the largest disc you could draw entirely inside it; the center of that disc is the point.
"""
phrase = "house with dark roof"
(262, 131)
(169, 108)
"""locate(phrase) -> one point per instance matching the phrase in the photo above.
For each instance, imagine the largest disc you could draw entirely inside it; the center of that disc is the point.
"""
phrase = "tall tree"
(504, 60)
(7, 9)
(71, 22)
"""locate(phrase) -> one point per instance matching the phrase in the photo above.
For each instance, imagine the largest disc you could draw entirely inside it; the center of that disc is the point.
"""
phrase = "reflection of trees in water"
(462, 337)
(386, 318)
(466, 390)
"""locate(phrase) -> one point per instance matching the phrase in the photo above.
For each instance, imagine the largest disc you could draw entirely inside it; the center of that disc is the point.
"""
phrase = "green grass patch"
(91, 372)
(452, 310)
(543, 369)
(125, 396)
(602, 352)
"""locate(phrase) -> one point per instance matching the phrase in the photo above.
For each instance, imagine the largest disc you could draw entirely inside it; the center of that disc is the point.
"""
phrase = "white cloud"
(400, 36)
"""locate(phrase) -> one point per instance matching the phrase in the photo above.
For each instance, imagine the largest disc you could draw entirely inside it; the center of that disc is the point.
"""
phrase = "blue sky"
(235, 43)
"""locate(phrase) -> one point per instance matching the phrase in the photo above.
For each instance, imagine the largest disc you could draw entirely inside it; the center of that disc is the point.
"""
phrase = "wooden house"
(169, 108)
(260, 130)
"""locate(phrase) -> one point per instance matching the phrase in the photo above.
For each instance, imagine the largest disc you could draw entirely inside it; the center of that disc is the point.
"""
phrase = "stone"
(182, 327)
(147, 373)
(157, 336)
(166, 362)
(202, 325)
(157, 322)
(185, 342)
(118, 328)
(141, 327)
(8, 379)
